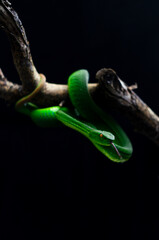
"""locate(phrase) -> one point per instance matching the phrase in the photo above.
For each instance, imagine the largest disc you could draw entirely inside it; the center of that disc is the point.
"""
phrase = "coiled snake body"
(87, 118)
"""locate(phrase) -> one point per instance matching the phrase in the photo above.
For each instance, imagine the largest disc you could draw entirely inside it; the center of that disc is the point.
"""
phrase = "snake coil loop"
(30, 96)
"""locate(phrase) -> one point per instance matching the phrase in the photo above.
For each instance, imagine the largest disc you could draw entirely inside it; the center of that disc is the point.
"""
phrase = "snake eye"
(101, 135)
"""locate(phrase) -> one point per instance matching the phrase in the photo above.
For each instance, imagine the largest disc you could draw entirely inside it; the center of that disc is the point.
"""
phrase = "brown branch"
(51, 93)
(109, 91)
(125, 100)
(12, 25)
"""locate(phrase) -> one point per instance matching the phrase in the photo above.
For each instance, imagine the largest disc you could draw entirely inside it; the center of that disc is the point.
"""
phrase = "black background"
(53, 183)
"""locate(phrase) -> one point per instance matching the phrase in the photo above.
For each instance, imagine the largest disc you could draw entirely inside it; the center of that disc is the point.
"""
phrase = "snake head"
(102, 137)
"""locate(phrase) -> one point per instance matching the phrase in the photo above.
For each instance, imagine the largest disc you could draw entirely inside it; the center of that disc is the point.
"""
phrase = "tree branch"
(124, 99)
(12, 25)
(110, 88)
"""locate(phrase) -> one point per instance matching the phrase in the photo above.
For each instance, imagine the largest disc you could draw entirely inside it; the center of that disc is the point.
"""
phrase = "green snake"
(85, 117)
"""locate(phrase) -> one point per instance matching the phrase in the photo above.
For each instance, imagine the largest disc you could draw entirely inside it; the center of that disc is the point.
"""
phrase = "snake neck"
(70, 119)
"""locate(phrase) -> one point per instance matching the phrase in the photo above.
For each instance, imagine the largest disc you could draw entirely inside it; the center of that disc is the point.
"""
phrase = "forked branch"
(109, 89)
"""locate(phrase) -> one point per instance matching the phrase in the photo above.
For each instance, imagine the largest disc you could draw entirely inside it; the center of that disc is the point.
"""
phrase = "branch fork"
(109, 88)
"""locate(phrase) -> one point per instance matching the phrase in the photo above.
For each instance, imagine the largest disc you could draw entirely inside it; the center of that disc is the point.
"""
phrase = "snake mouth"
(118, 153)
